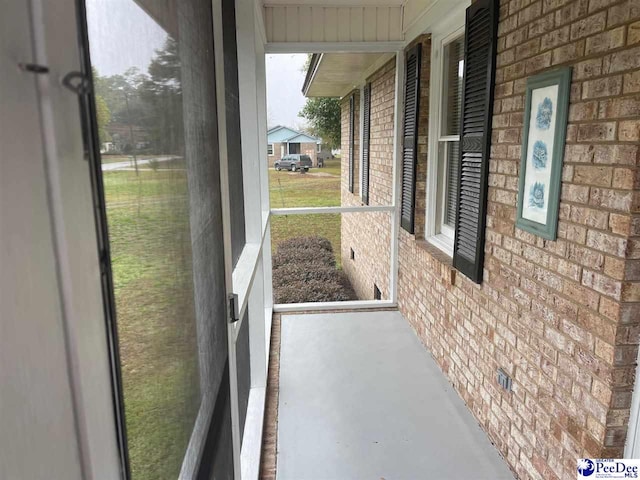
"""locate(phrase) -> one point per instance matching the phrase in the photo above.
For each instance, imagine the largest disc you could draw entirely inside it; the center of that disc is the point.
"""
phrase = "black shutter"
(366, 130)
(410, 137)
(352, 125)
(475, 136)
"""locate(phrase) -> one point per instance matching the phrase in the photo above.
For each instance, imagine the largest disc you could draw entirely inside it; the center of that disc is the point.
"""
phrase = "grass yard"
(318, 188)
(150, 240)
(151, 258)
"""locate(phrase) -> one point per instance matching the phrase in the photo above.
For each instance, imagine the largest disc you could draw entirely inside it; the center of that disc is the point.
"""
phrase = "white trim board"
(434, 17)
(321, 210)
(348, 305)
(333, 47)
(398, 134)
(252, 439)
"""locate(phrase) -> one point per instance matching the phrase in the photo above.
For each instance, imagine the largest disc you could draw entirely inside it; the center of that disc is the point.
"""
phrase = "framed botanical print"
(545, 127)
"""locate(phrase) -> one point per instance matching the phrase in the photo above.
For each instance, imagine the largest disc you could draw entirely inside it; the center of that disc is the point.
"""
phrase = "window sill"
(447, 272)
(435, 252)
(443, 243)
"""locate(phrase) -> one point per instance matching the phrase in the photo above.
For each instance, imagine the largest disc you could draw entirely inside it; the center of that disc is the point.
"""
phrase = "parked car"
(293, 162)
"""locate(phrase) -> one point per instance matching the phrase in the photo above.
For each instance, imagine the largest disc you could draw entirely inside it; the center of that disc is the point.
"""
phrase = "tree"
(149, 101)
(161, 92)
(323, 114)
(104, 117)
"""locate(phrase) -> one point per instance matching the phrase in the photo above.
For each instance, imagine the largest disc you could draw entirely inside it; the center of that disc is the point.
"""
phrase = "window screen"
(449, 145)
(453, 70)
(153, 73)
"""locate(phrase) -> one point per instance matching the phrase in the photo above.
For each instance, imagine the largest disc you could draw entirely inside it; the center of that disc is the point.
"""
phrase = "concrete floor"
(361, 398)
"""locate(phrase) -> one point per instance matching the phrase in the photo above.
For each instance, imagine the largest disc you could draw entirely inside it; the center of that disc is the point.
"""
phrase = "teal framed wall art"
(543, 141)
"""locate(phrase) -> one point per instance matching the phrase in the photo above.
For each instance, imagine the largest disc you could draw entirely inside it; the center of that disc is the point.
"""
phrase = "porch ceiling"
(344, 3)
(337, 73)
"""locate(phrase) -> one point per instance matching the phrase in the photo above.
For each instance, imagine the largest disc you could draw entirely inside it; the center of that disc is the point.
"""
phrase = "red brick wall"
(277, 153)
(369, 234)
(562, 317)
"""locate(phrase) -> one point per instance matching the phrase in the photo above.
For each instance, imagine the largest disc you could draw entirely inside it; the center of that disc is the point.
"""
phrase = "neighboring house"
(557, 315)
(108, 147)
(324, 153)
(121, 141)
(284, 140)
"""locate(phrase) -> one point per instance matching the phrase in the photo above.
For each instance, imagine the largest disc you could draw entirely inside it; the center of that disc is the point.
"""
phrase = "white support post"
(253, 159)
(248, 101)
(324, 210)
(226, 225)
(397, 174)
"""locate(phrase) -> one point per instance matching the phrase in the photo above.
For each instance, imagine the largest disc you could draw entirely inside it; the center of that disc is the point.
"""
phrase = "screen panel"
(156, 117)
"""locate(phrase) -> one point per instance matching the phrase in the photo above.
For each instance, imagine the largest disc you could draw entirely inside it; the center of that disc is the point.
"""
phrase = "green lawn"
(151, 258)
(150, 241)
(318, 188)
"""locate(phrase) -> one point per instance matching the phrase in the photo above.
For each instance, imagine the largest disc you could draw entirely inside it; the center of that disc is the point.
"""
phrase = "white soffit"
(298, 21)
(344, 3)
(338, 73)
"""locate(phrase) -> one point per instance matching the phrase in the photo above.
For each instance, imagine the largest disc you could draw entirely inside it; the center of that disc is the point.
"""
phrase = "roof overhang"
(336, 74)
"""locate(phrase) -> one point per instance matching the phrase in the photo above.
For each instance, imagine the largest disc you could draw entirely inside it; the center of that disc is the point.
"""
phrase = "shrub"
(311, 291)
(312, 242)
(308, 257)
(304, 270)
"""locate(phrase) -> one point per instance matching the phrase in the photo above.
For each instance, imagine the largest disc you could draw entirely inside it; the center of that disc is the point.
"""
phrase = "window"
(294, 148)
(270, 149)
(168, 289)
(319, 147)
(444, 151)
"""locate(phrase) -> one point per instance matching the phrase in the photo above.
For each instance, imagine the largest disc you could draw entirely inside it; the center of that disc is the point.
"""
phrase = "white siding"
(297, 23)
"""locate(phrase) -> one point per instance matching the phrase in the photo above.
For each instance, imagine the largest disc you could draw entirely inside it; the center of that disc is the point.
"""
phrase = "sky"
(284, 89)
(122, 35)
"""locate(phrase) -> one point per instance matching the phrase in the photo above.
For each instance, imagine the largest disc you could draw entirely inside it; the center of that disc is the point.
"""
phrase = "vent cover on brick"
(475, 136)
(410, 137)
(352, 125)
(366, 130)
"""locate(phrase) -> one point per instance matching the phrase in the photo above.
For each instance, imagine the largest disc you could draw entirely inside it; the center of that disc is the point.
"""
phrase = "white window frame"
(270, 149)
(436, 232)
(319, 147)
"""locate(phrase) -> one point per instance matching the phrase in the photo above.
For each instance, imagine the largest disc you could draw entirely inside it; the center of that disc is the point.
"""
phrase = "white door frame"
(54, 348)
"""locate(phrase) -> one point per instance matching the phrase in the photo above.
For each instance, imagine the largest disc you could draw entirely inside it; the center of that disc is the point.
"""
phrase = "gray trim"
(562, 78)
(311, 71)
